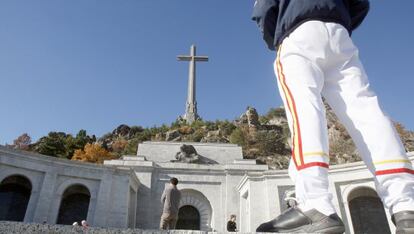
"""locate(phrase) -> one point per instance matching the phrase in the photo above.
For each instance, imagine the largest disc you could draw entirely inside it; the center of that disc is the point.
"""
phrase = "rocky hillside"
(262, 137)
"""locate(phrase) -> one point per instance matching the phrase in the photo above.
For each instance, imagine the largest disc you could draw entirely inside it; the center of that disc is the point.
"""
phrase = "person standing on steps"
(171, 201)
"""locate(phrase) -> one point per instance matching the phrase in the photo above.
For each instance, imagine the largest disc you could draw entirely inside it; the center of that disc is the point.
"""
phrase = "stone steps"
(35, 228)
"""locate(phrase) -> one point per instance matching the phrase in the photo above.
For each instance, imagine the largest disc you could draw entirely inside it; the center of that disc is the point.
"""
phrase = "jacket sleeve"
(358, 9)
(265, 13)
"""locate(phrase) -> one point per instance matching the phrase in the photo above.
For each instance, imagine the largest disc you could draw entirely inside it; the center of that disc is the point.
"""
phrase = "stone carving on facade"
(188, 154)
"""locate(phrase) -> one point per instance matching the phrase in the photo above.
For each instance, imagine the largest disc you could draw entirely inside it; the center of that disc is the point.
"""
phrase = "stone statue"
(249, 118)
(252, 117)
(188, 154)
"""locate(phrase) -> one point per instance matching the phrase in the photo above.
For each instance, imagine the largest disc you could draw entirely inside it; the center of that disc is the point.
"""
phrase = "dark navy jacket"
(278, 18)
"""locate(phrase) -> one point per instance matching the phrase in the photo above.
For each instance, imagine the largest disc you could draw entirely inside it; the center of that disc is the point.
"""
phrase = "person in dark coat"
(231, 224)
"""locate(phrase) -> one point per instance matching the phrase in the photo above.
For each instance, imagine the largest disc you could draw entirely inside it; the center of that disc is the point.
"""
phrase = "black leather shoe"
(312, 221)
(404, 221)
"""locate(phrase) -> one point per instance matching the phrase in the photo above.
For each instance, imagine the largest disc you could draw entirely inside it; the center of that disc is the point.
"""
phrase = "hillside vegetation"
(265, 138)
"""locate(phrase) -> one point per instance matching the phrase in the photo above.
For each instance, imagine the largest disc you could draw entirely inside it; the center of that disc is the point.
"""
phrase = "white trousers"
(319, 59)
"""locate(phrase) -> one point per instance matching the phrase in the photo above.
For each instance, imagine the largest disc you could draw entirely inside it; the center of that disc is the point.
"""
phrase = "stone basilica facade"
(215, 182)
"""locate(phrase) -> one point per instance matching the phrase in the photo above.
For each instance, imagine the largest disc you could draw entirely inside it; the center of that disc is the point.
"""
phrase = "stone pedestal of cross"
(191, 106)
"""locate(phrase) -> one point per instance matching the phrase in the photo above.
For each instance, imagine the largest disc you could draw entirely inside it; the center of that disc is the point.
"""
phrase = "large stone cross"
(191, 106)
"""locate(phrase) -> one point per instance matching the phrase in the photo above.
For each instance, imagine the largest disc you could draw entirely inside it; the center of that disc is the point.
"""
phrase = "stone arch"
(188, 218)
(15, 193)
(361, 191)
(68, 183)
(20, 174)
(74, 205)
(89, 184)
(367, 211)
(194, 198)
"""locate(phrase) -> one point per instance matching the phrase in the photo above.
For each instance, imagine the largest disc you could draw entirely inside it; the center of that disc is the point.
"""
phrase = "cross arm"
(184, 58)
(189, 58)
(201, 58)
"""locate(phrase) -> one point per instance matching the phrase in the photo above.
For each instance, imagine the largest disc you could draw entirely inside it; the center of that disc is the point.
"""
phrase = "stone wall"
(50, 178)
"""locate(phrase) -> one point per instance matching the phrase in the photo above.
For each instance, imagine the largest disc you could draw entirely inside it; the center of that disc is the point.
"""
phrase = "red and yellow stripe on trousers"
(393, 166)
(297, 150)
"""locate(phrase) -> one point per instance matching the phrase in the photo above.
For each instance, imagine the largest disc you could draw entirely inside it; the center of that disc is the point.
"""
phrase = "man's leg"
(348, 93)
(173, 221)
(164, 224)
(300, 82)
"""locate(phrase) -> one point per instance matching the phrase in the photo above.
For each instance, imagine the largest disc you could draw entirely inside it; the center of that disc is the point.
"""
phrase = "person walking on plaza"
(317, 58)
(171, 200)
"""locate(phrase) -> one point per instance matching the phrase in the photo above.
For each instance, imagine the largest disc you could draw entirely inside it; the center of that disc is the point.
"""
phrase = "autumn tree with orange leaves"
(92, 153)
(22, 142)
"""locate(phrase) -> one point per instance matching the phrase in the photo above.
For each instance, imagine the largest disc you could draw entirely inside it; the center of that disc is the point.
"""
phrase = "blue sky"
(95, 64)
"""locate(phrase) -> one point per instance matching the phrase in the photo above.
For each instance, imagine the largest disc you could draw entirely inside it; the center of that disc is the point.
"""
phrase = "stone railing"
(35, 228)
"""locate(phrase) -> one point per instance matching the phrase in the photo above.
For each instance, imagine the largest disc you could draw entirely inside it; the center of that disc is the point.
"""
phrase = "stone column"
(103, 201)
(191, 78)
(118, 208)
(146, 208)
(31, 206)
(258, 204)
(45, 197)
(232, 199)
